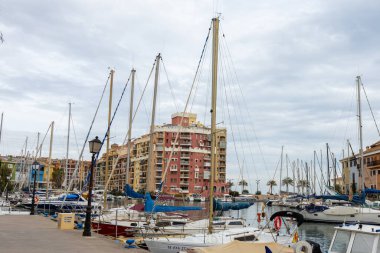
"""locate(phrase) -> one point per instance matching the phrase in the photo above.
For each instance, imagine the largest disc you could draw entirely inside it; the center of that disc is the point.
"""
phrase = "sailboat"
(209, 238)
(341, 214)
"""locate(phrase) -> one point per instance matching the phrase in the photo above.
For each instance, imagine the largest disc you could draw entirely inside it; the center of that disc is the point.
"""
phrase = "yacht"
(357, 238)
(341, 214)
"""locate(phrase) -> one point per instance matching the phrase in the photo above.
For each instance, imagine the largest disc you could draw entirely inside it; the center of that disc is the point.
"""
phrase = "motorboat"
(340, 214)
(356, 238)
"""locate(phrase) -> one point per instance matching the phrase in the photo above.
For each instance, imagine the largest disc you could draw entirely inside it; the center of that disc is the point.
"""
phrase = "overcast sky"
(295, 63)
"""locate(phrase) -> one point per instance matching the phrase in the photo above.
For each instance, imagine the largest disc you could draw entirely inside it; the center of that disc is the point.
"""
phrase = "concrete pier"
(37, 234)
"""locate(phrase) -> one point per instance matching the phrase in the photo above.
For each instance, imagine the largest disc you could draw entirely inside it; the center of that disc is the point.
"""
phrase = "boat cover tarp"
(131, 193)
(70, 197)
(150, 207)
(359, 199)
(225, 206)
(371, 191)
(245, 247)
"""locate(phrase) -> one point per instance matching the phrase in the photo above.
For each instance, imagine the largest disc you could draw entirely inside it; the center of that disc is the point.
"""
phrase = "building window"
(196, 174)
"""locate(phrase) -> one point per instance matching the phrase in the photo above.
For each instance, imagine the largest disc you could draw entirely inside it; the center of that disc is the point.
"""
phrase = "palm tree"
(271, 183)
(303, 184)
(287, 181)
(243, 183)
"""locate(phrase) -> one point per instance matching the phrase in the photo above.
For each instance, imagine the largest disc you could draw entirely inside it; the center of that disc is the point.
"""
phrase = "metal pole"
(361, 169)
(87, 223)
(1, 125)
(282, 154)
(215, 47)
(108, 140)
(328, 165)
(150, 177)
(130, 125)
(34, 191)
(50, 151)
(67, 147)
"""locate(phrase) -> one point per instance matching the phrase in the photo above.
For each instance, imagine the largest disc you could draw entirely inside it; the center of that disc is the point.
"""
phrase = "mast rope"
(170, 86)
(183, 114)
(85, 142)
(370, 108)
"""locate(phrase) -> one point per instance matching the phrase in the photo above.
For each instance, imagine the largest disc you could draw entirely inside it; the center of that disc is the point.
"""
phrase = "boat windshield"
(341, 241)
(363, 243)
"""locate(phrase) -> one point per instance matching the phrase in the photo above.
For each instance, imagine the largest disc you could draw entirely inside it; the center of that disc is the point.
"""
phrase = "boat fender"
(258, 217)
(277, 222)
(303, 247)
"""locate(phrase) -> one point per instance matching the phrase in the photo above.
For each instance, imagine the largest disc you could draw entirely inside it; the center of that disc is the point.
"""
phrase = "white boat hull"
(341, 215)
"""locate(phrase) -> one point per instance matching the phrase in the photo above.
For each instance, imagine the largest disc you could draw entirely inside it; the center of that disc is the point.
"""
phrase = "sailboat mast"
(108, 139)
(282, 154)
(349, 171)
(130, 125)
(215, 47)
(50, 151)
(67, 147)
(150, 177)
(328, 165)
(358, 80)
(1, 125)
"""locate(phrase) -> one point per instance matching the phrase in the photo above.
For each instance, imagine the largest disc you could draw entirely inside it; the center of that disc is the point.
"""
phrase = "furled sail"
(131, 193)
(225, 206)
(151, 207)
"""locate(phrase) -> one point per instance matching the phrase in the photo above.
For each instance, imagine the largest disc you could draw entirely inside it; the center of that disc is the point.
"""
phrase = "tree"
(57, 178)
(230, 184)
(234, 193)
(243, 183)
(287, 181)
(303, 184)
(271, 183)
(258, 193)
(4, 174)
(245, 192)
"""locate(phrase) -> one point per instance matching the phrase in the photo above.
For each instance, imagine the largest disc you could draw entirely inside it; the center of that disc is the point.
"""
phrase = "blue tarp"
(356, 198)
(225, 206)
(70, 197)
(150, 207)
(131, 193)
(371, 191)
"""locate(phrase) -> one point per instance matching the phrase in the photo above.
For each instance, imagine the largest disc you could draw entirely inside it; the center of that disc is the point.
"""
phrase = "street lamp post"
(257, 185)
(95, 146)
(6, 188)
(35, 167)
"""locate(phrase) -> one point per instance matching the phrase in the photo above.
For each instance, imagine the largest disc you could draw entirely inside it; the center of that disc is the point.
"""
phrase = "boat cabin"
(356, 238)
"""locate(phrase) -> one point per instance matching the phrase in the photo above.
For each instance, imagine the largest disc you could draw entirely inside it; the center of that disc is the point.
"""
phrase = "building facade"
(186, 157)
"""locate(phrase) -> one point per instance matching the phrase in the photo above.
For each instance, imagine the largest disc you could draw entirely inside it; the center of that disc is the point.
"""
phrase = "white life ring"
(303, 247)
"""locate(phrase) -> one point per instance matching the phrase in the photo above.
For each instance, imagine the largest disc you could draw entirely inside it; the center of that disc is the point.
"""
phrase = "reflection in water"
(317, 232)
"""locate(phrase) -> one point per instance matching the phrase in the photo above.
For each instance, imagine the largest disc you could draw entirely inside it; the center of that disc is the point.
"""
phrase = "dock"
(38, 234)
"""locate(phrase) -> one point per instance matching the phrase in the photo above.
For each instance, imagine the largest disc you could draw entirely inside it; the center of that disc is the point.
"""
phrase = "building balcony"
(173, 169)
(185, 136)
(184, 168)
(184, 175)
(159, 161)
(182, 182)
(207, 164)
(207, 157)
(373, 163)
(184, 162)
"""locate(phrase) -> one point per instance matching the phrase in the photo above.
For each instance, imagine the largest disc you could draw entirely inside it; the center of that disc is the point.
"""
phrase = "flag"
(267, 250)
(295, 237)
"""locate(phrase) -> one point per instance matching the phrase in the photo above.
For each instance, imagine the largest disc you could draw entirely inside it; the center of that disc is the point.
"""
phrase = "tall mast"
(294, 177)
(108, 139)
(215, 53)
(1, 125)
(150, 177)
(50, 151)
(130, 125)
(361, 181)
(328, 165)
(282, 154)
(349, 171)
(67, 147)
(315, 175)
(38, 144)
(287, 172)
